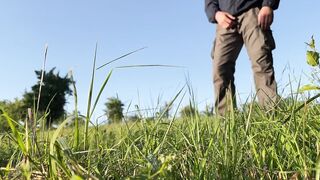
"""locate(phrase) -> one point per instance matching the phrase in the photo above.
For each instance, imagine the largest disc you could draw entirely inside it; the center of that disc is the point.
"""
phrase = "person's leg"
(259, 45)
(227, 46)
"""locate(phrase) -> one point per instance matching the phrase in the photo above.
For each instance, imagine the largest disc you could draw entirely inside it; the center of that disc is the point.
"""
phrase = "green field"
(250, 144)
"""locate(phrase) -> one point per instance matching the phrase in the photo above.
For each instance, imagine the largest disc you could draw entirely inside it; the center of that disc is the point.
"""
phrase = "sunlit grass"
(196, 147)
(250, 143)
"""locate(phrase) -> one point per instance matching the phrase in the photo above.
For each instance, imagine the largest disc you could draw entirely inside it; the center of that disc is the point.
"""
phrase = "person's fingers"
(226, 20)
(259, 20)
(265, 22)
(231, 20)
(268, 22)
(230, 16)
(226, 25)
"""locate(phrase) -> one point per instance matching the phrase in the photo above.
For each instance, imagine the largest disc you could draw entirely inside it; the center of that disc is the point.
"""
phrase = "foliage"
(312, 55)
(15, 109)
(313, 60)
(248, 144)
(53, 94)
(188, 111)
(114, 109)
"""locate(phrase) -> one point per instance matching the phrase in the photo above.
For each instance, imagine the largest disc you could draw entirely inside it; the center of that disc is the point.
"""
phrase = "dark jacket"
(235, 7)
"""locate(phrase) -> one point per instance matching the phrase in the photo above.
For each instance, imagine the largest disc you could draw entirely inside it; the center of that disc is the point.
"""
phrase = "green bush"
(14, 109)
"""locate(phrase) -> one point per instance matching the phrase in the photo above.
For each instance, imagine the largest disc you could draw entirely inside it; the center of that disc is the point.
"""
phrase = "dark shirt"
(235, 7)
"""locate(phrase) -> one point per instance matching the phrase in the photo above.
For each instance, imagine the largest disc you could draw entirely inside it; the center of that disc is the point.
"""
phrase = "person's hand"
(225, 19)
(265, 17)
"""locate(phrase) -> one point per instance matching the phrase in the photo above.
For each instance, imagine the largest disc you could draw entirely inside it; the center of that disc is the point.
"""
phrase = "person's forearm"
(211, 8)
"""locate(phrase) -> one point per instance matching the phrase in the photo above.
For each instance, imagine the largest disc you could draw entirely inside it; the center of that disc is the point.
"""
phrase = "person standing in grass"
(242, 22)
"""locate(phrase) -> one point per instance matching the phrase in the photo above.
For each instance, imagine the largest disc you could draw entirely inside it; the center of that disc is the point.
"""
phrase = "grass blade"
(55, 135)
(132, 52)
(15, 132)
(42, 76)
(76, 115)
(100, 92)
(90, 98)
(148, 65)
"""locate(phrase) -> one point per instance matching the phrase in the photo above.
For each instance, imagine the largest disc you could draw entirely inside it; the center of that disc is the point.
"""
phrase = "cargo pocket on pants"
(269, 40)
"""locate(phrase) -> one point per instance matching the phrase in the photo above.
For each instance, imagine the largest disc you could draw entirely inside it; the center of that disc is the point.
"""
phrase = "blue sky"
(175, 32)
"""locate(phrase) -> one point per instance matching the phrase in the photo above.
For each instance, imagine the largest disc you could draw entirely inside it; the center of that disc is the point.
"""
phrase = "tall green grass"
(245, 144)
(200, 147)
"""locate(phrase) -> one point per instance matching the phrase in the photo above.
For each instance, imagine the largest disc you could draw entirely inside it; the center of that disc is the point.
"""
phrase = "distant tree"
(14, 109)
(53, 94)
(114, 109)
(133, 118)
(188, 111)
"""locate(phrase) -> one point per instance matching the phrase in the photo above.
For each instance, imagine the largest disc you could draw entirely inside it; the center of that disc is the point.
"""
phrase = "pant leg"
(259, 44)
(227, 46)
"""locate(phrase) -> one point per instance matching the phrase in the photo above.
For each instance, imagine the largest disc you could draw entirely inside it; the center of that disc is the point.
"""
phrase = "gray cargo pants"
(227, 46)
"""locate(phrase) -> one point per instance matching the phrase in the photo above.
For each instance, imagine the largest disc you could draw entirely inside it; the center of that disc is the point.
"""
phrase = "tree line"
(50, 103)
